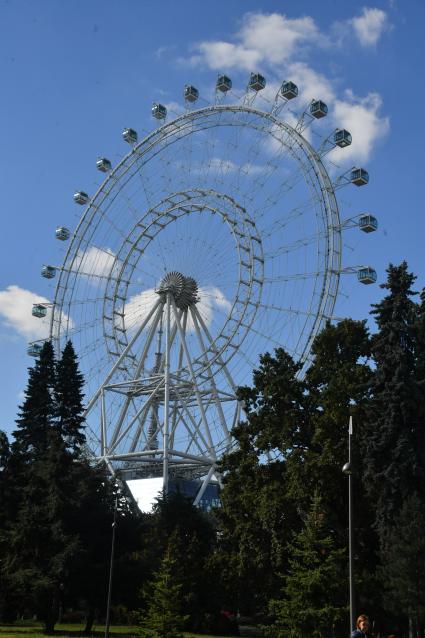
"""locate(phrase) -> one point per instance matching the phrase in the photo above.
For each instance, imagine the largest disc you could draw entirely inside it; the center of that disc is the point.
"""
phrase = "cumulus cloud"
(211, 299)
(96, 262)
(15, 313)
(311, 84)
(263, 39)
(225, 166)
(370, 26)
(361, 117)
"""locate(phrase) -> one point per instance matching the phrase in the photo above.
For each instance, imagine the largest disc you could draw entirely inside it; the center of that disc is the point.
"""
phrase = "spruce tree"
(403, 560)
(393, 468)
(312, 602)
(41, 546)
(163, 617)
(69, 399)
(37, 413)
(174, 515)
(56, 494)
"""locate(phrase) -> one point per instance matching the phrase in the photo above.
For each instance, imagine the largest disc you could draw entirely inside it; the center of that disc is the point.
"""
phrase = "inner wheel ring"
(249, 252)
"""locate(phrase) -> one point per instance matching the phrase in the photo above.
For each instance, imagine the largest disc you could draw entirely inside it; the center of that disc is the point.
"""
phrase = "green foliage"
(402, 571)
(175, 517)
(294, 441)
(313, 601)
(392, 468)
(57, 504)
(163, 617)
(68, 400)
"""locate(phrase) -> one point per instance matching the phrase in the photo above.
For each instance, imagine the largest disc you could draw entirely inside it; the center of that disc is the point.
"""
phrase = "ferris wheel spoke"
(208, 363)
(228, 213)
(294, 276)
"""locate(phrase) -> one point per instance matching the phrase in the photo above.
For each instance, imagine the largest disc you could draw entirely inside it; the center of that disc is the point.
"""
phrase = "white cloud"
(311, 85)
(15, 312)
(370, 25)
(211, 299)
(361, 117)
(225, 166)
(175, 108)
(263, 39)
(95, 262)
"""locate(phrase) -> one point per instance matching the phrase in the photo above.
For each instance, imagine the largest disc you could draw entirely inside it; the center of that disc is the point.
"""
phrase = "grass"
(31, 629)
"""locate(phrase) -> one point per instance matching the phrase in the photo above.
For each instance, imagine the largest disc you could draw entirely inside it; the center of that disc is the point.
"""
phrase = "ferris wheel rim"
(331, 271)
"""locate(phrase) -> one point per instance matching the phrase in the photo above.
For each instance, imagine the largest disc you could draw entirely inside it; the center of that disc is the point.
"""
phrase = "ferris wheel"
(215, 239)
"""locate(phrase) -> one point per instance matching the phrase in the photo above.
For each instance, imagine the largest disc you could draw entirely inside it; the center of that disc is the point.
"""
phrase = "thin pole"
(350, 526)
(111, 569)
(165, 468)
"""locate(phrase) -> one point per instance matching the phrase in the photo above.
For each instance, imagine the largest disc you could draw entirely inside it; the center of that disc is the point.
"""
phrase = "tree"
(163, 617)
(257, 513)
(338, 383)
(294, 441)
(313, 601)
(175, 516)
(58, 503)
(6, 605)
(395, 435)
(402, 569)
(69, 400)
(37, 414)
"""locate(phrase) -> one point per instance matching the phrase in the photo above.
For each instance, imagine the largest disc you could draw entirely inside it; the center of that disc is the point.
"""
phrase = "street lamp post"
(111, 569)
(348, 469)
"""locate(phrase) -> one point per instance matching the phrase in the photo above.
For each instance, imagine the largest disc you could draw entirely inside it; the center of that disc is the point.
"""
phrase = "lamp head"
(347, 468)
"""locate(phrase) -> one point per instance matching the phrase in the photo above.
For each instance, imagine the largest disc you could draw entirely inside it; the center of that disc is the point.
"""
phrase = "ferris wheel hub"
(183, 289)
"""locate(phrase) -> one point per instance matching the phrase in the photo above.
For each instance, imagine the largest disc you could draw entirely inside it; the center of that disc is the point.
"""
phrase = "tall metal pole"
(350, 525)
(111, 569)
(165, 468)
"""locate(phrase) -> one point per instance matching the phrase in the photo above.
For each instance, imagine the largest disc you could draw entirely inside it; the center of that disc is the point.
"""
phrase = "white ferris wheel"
(215, 239)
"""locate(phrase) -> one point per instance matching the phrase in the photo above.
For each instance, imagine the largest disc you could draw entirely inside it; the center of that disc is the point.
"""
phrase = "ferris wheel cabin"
(289, 90)
(368, 223)
(103, 165)
(34, 349)
(159, 111)
(39, 310)
(318, 109)
(48, 272)
(257, 82)
(80, 197)
(367, 275)
(129, 135)
(223, 84)
(62, 233)
(342, 138)
(190, 93)
(359, 177)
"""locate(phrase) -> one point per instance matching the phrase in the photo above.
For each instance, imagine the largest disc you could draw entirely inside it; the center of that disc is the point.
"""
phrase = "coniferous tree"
(338, 385)
(6, 610)
(40, 547)
(174, 515)
(164, 617)
(402, 570)
(393, 467)
(56, 507)
(37, 413)
(313, 602)
(258, 509)
(69, 399)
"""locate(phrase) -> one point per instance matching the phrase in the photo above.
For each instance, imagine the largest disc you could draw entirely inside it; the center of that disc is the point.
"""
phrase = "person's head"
(362, 623)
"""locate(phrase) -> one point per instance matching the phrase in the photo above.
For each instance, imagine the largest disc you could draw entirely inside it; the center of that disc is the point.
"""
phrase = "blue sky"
(75, 73)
